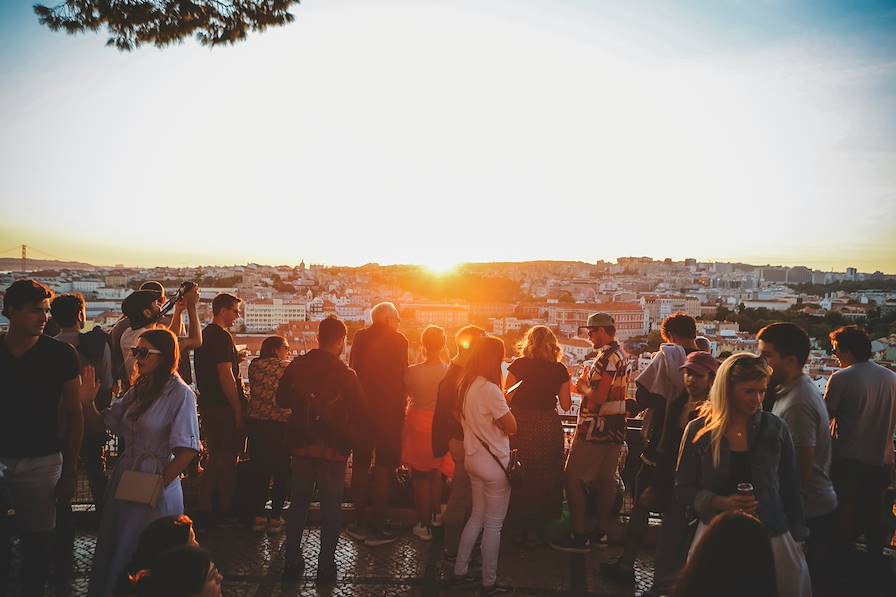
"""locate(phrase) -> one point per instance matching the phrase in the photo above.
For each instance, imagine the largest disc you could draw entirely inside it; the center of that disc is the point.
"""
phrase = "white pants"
(791, 570)
(491, 496)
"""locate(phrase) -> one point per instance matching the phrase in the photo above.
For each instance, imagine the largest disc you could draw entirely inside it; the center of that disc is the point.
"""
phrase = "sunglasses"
(140, 353)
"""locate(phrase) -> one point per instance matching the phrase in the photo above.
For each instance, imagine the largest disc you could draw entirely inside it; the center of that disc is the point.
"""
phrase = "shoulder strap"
(492, 454)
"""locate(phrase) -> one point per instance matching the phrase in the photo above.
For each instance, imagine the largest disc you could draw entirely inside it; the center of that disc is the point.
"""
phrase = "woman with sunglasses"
(157, 418)
(737, 457)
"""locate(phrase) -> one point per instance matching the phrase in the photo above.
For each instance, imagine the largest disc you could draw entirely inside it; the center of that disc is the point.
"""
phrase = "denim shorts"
(29, 485)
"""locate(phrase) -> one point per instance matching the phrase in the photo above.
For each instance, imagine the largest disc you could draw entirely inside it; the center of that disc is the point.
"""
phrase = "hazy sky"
(430, 132)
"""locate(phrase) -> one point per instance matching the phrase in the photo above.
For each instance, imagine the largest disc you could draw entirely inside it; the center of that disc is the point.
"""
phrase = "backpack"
(322, 414)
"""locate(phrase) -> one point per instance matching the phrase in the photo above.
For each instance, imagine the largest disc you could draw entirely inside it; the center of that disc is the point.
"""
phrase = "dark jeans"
(860, 492)
(329, 478)
(822, 552)
(268, 458)
(672, 545)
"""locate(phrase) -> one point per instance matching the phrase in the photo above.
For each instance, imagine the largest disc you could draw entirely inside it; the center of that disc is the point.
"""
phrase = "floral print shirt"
(264, 377)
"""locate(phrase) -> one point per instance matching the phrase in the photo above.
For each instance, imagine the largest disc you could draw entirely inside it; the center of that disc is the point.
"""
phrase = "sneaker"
(260, 523)
(422, 532)
(276, 525)
(466, 581)
(293, 572)
(326, 574)
(616, 572)
(599, 539)
(497, 589)
(572, 544)
(379, 537)
(357, 531)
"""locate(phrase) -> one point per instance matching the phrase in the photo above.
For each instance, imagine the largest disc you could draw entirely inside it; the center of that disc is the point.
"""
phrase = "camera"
(183, 289)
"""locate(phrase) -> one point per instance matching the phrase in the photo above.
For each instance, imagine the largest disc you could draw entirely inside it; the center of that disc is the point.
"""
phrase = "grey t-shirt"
(799, 404)
(862, 399)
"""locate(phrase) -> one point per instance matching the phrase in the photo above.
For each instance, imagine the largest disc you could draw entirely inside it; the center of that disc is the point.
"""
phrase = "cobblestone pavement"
(252, 563)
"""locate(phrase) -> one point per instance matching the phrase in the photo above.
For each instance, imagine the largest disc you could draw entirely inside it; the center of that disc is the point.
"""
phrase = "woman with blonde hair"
(737, 457)
(545, 381)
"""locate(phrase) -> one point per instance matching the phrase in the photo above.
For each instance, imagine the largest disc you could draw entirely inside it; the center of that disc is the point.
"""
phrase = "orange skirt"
(416, 444)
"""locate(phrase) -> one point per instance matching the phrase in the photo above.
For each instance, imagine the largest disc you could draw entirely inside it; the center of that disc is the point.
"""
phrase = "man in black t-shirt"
(36, 466)
(221, 404)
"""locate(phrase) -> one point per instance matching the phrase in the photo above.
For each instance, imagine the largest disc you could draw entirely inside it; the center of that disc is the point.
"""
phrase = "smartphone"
(513, 388)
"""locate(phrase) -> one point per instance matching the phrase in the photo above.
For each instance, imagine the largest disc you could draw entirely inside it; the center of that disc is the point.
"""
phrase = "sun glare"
(440, 267)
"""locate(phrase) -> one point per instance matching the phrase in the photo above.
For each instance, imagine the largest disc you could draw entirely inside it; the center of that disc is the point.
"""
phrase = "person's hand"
(648, 498)
(191, 297)
(89, 387)
(65, 488)
(735, 502)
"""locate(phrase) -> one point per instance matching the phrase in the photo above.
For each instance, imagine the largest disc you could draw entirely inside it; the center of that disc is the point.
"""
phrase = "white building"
(265, 316)
(575, 349)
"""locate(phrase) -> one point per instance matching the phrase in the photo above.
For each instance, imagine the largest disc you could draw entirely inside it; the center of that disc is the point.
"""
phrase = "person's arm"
(74, 433)
(285, 396)
(194, 327)
(789, 483)
(177, 320)
(563, 394)
(507, 424)
(600, 394)
(832, 396)
(88, 387)
(802, 423)
(182, 459)
(508, 383)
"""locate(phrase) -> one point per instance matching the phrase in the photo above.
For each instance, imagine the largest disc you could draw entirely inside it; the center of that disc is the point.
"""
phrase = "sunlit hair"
(485, 361)
(465, 337)
(147, 388)
(383, 311)
(539, 342)
(678, 325)
(433, 339)
(738, 368)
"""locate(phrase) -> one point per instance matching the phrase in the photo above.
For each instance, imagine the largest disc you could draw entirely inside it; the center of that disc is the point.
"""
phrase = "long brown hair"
(147, 388)
(485, 361)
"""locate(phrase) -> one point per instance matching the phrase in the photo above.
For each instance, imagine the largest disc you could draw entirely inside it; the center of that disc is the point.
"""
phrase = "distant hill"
(13, 265)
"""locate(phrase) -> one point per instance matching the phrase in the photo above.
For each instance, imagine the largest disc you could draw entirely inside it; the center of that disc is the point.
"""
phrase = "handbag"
(139, 487)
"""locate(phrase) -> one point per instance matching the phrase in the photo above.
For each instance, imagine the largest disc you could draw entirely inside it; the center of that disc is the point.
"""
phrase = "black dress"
(539, 438)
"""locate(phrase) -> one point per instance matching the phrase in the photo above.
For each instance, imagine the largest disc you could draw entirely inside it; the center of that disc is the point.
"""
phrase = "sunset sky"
(423, 131)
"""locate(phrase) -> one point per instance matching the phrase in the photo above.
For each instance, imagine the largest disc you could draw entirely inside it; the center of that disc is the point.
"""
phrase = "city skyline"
(425, 133)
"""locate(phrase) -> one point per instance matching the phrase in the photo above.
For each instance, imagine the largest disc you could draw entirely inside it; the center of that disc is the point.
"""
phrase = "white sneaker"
(422, 532)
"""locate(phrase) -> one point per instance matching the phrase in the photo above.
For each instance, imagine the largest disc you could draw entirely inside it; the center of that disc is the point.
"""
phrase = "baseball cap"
(134, 304)
(600, 320)
(701, 362)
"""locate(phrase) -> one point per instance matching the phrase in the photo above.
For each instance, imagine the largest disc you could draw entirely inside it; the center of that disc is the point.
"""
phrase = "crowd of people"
(763, 484)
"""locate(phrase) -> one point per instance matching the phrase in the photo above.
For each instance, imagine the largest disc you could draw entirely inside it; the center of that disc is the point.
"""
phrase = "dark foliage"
(133, 23)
